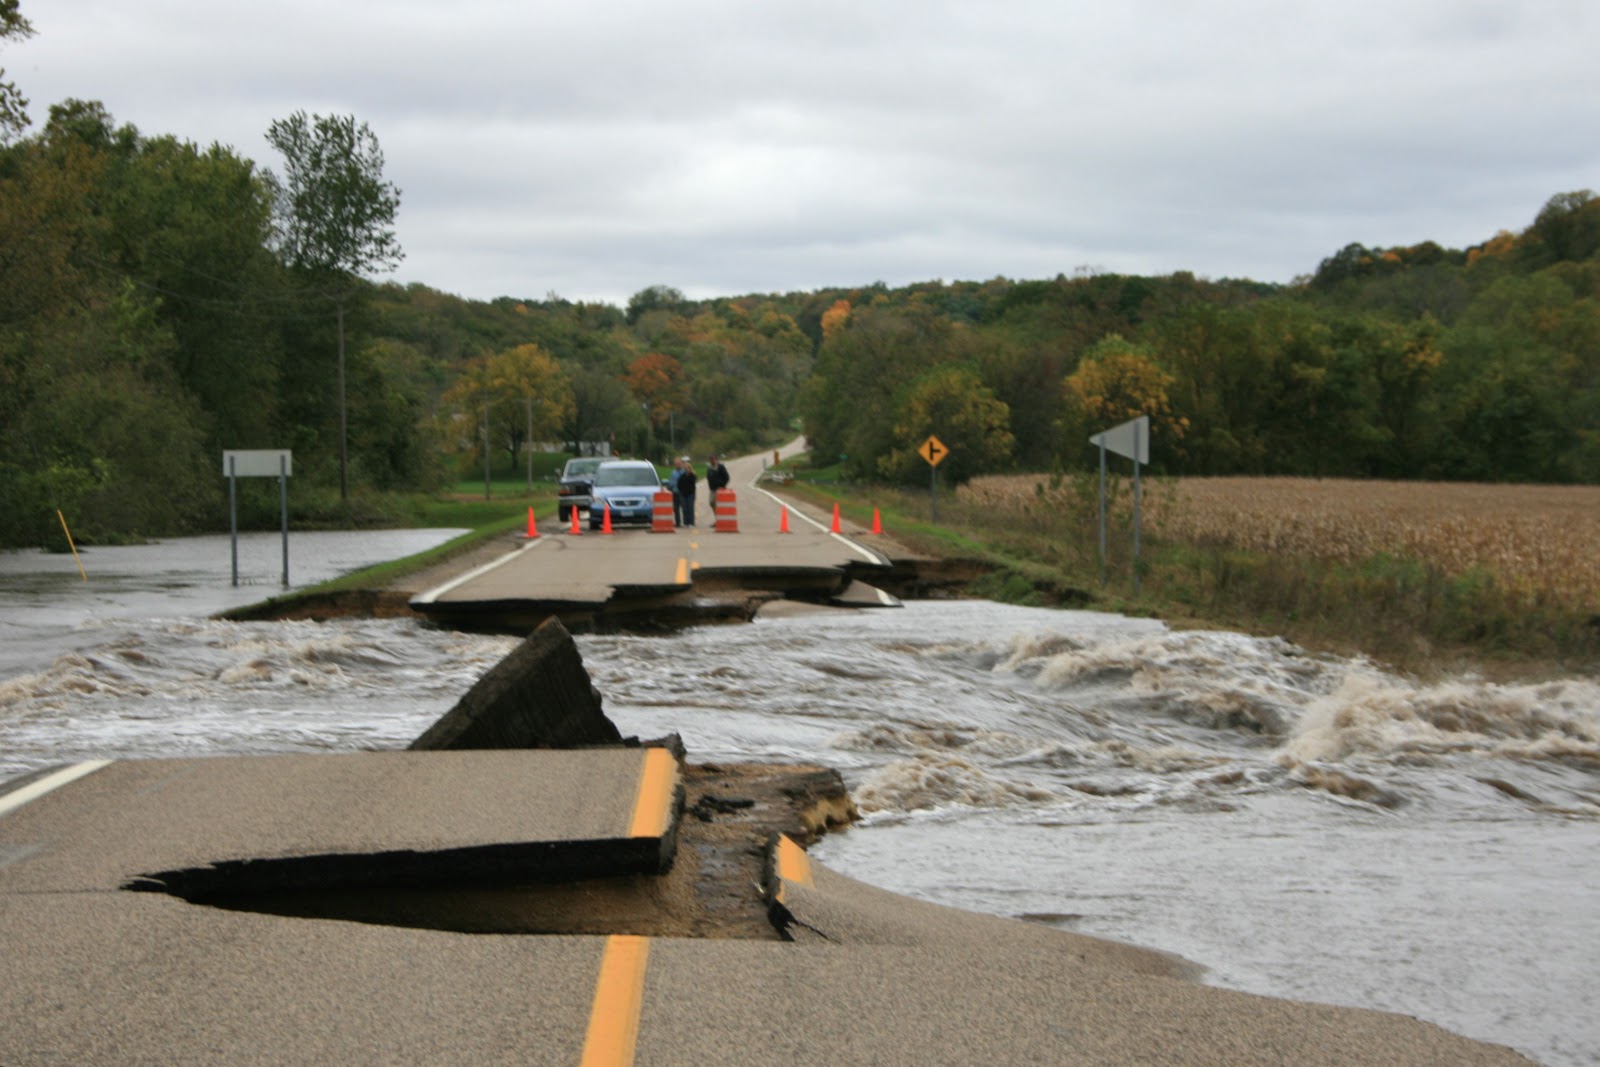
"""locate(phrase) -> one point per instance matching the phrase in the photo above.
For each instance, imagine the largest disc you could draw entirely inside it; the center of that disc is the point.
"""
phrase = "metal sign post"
(933, 451)
(1102, 513)
(233, 512)
(1131, 439)
(258, 463)
(283, 511)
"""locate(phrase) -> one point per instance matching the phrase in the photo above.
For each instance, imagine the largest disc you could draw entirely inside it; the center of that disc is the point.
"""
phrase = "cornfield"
(1540, 541)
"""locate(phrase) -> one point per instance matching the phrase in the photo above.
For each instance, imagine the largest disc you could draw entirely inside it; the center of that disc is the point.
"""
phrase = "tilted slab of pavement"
(269, 823)
(97, 972)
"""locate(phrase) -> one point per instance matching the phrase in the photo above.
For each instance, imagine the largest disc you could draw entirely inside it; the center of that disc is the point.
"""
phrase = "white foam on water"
(1391, 718)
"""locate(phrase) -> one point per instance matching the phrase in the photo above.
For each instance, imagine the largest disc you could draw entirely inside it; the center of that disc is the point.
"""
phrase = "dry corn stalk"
(1541, 540)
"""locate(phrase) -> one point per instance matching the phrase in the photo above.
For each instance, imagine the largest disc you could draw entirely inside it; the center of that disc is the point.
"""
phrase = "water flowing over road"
(1300, 825)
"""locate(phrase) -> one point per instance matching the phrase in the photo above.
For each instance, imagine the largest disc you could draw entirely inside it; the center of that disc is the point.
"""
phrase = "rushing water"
(1301, 825)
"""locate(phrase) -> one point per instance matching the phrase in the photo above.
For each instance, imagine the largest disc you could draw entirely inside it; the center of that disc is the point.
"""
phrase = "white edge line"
(866, 553)
(33, 791)
(433, 594)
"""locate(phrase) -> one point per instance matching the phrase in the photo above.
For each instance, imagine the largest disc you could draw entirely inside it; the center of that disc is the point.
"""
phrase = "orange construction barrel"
(661, 513)
(726, 507)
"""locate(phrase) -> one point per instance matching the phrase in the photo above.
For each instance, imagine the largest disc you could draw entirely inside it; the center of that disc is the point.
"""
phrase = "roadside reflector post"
(75, 557)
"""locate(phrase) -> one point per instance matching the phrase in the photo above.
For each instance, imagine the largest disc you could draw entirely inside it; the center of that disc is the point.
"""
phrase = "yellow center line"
(619, 993)
(618, 997)
(652, 805)
(793, 866)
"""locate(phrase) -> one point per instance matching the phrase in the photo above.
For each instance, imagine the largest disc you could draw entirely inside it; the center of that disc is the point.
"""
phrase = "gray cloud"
(593, 149)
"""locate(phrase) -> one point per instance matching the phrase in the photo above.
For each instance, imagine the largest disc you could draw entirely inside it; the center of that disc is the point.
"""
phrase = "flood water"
(1300, 825)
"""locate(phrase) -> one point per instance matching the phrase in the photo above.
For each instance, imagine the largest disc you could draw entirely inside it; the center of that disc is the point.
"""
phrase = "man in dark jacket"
(716, 478)
(686, 482)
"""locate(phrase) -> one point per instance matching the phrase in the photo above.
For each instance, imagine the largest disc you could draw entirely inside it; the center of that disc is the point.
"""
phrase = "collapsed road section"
(523, 886)
(515, 812)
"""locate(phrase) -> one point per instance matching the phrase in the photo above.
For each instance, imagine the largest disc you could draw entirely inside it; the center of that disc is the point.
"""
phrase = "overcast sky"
(595, 147)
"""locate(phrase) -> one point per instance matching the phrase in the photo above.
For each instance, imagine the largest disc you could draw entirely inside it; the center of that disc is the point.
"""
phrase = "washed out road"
(96, 971)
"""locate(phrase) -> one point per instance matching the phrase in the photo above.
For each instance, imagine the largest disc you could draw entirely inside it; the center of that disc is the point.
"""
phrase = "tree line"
(157, 307)
(1406, 362)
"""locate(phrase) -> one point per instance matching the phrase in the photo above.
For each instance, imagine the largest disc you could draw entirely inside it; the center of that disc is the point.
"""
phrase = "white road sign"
(257, 462)
(1131, 439)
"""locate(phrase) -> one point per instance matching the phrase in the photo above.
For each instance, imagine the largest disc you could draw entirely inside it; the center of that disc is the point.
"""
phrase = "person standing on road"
(716, 477)
(672, 484)
(686, 482)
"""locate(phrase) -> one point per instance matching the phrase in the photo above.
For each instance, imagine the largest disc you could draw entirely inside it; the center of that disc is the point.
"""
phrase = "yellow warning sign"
(933, 451)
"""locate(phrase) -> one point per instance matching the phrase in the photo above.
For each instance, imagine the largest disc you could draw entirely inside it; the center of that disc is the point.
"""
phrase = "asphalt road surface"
(591, 568)
(95, 972)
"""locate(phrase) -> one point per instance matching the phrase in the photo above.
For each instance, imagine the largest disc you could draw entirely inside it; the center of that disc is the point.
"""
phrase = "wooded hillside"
(1472, 364)
(149, 320)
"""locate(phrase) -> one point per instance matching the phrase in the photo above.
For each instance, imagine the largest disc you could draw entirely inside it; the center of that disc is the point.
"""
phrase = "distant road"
(564, 571)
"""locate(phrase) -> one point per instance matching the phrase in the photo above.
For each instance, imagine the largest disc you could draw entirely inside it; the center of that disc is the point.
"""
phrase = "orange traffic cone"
(533, 527)
(576, 528)
(835, 519)
(605, 523)
(783, 520)
(877, 524)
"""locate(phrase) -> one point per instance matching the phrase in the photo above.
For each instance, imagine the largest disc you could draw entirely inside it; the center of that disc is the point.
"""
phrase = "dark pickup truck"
(577, 486)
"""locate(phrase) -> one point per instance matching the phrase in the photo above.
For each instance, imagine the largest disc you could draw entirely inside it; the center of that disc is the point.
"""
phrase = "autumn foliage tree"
(656, 380)
(529, 378)
(1116, 381)
(834, 319)
(505, 400)
(951, 403)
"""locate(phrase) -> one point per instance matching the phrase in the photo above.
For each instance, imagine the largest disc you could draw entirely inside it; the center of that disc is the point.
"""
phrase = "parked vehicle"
(577, 485)
(629, 486)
